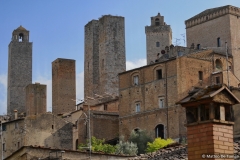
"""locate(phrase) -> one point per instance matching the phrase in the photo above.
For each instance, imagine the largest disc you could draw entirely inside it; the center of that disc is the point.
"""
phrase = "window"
(16, 125)
(4, 127)
(4, 147)
(229, 68)
(137, 107)
(161, 102)
(105, 107)
(200, 75)
(198, 46)
(18, 145)
(20, 37)
(217, 80)
(218, 42)
(159, 74)
(157, 22)
(157, 44)
(218, 64)
(159, 131)
(135, 80)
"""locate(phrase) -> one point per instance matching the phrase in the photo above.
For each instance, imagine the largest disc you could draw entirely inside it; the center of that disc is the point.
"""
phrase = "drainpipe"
(166, 94)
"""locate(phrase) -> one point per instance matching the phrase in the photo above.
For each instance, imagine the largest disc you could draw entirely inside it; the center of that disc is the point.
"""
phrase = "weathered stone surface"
(19, 70)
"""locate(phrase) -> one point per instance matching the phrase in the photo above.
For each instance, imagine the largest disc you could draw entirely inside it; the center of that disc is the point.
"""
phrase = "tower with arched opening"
(158, 36)
(19, 70)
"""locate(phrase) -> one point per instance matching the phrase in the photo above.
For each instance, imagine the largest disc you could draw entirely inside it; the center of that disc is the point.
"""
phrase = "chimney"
(16, 114)
(209, 123)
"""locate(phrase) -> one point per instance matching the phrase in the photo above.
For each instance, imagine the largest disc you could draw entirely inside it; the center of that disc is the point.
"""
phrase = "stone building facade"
(104, 55)
(45, 130)
(63, 86)
(103, 125)
(19, 70)
(36, 99)
(158, 36)
(212, 28)
(148, 94)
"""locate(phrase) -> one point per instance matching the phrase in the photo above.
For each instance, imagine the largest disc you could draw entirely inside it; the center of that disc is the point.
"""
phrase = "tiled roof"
(178, 152)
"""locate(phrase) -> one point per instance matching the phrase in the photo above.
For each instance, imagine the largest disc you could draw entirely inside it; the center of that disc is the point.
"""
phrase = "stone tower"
(104, 55)
(212, 28)
(19, 70)
(158, 36)
(36, 99)
(63, 86)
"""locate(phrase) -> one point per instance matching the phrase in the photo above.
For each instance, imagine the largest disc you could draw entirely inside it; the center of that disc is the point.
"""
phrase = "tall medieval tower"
(19, 70)
(63, 86)
(104, 55)
(158, 36)
(212, 28)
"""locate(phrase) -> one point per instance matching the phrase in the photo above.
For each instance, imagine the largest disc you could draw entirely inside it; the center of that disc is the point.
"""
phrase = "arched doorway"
(159, 131)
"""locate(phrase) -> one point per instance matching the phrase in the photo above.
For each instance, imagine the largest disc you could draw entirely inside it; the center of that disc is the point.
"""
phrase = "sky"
(57, 31)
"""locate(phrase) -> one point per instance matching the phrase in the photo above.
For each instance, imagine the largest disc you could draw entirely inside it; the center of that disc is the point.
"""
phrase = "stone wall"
(104, 125)
(223, 23)
(104, 55)
(36, 99)
(41, 130)
(63, 86)
(19, 70)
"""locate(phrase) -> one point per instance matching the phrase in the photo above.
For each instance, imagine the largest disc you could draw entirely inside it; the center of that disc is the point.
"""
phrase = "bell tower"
(158, 36)
(19, 70)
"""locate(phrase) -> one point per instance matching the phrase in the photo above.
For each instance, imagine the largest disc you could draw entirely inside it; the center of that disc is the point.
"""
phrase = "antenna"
(183, 35)
(176, 43)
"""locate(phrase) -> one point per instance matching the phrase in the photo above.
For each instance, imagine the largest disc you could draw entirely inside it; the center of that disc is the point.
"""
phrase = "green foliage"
(98, 146)
(141, 138)
(126, 148)
(157, 144)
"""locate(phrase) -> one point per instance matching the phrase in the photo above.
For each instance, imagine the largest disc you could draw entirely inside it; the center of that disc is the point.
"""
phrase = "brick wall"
(209, 138)
(63, 85)
(36, 99)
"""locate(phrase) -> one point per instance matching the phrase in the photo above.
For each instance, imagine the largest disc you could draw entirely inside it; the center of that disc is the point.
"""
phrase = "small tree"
(157, 144)
(141, 138)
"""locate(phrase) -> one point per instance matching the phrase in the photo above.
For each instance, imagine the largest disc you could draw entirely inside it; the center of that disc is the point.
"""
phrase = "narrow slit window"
(198, 46)
(218, 42)
(200, 75)
(137, 107)
(161, 102)
(136, 80)
(159, 74)
(217, 80)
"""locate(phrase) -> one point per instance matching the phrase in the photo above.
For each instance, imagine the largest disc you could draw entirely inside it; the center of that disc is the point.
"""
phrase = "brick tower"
(158, 36)
(19, 70)
(210, 123)
(104, 55)
(63, 86)
(36, 99)
(212, 28)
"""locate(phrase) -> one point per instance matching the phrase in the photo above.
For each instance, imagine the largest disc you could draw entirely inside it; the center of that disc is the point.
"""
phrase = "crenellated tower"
(158, 36)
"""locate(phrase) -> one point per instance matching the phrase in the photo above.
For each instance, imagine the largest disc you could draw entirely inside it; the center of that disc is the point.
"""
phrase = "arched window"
(20, 39)
(157, 23)
(159, 131)
(198, 46)
(218, 64)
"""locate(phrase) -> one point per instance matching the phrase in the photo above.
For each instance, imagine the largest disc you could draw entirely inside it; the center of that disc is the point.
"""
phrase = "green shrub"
(141, 138)
(98, 146)
(157, 144)
(126, 148)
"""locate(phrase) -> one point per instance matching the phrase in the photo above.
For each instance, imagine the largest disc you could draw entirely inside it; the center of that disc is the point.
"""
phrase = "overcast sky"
(57, 31)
